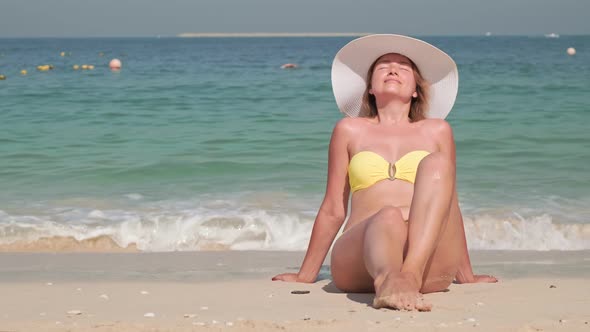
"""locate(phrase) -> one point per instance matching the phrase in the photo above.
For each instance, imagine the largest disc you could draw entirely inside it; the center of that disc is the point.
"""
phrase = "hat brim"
(352, 62)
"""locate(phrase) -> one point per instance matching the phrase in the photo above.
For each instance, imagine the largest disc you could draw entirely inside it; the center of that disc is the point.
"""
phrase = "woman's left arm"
(465, 272)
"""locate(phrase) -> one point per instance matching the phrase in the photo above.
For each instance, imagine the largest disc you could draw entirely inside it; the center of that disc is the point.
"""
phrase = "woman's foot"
(399, 290)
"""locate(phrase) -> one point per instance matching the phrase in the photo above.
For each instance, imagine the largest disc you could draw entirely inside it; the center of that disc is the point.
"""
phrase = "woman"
(395, 155)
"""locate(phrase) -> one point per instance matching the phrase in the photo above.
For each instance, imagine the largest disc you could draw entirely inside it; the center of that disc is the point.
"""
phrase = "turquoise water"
(207, 141)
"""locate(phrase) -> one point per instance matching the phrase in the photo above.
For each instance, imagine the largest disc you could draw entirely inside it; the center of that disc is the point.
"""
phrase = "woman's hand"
(484, 278)
(289, 277)
(477, 278)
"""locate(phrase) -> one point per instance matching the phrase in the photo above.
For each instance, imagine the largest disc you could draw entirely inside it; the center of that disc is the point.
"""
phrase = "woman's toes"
(422, 305)
(406, 302)
(378, 303)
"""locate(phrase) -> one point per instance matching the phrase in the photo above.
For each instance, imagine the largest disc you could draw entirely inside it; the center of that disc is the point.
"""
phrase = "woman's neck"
(395, 112)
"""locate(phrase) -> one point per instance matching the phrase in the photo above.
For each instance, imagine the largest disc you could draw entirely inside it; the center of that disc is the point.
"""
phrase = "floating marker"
(571, 51)
(115, 64)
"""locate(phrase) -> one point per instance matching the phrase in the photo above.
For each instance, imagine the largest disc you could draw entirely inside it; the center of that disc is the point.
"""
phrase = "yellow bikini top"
(367, 168)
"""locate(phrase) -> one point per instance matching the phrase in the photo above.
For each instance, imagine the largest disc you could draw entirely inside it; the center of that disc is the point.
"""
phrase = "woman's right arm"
(332, 212)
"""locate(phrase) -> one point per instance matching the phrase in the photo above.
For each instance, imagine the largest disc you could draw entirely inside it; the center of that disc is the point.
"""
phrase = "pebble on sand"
(149, 315)
(104, 296)
(74, 312)
(143, 292)
(190, 315)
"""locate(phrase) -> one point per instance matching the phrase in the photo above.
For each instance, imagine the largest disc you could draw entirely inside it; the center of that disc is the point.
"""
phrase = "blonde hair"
(418, 107)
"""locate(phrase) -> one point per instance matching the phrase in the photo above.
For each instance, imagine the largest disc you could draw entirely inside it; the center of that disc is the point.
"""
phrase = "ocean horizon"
(262, 34)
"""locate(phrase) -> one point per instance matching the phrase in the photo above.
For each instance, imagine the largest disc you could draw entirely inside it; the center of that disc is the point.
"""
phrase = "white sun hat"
(352, 62)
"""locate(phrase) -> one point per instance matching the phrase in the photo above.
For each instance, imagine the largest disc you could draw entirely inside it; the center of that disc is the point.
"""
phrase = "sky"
(129, 18)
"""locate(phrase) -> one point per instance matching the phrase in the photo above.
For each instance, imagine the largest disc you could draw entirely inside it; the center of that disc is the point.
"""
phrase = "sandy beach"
(232, 291)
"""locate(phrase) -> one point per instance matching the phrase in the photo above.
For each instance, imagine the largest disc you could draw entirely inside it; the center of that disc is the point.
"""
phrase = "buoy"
(23, 72)
(76, 67)
(115, 64)
(2, 77)
(571, 51)
(44, 67)
(288, 66)
(63, 54)
(84, 67)
(90, 67)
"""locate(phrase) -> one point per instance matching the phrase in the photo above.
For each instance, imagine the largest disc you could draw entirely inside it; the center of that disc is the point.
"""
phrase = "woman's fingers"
(291, 277)
(485, 278)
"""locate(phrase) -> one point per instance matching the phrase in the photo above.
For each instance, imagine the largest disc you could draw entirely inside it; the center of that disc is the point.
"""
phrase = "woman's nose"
(393, 71)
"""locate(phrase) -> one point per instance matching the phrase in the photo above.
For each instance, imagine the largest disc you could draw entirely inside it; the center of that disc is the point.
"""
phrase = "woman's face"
(393, 74)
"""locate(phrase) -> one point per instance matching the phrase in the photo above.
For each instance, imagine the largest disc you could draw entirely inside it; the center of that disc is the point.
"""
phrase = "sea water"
(201, 143)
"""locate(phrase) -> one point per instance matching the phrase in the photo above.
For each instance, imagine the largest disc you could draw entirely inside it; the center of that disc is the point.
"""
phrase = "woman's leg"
(364, 251)
(432, 258)
(433, 192)
(396, 261)
(369, 250)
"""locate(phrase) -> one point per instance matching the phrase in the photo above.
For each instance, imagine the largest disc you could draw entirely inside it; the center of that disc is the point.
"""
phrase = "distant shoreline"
(270, 34)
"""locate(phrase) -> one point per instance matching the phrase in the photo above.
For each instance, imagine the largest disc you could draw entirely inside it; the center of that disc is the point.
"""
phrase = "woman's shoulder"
(350, 125)
(437, 127)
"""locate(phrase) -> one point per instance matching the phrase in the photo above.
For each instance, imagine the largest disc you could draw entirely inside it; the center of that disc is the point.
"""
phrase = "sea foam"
(234, 225)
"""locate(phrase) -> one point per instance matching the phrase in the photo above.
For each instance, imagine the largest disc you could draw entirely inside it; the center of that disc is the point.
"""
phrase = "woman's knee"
(388, 218)
(438, 165)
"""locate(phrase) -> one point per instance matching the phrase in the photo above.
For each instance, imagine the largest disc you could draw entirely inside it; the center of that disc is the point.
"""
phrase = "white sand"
(232, 291)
